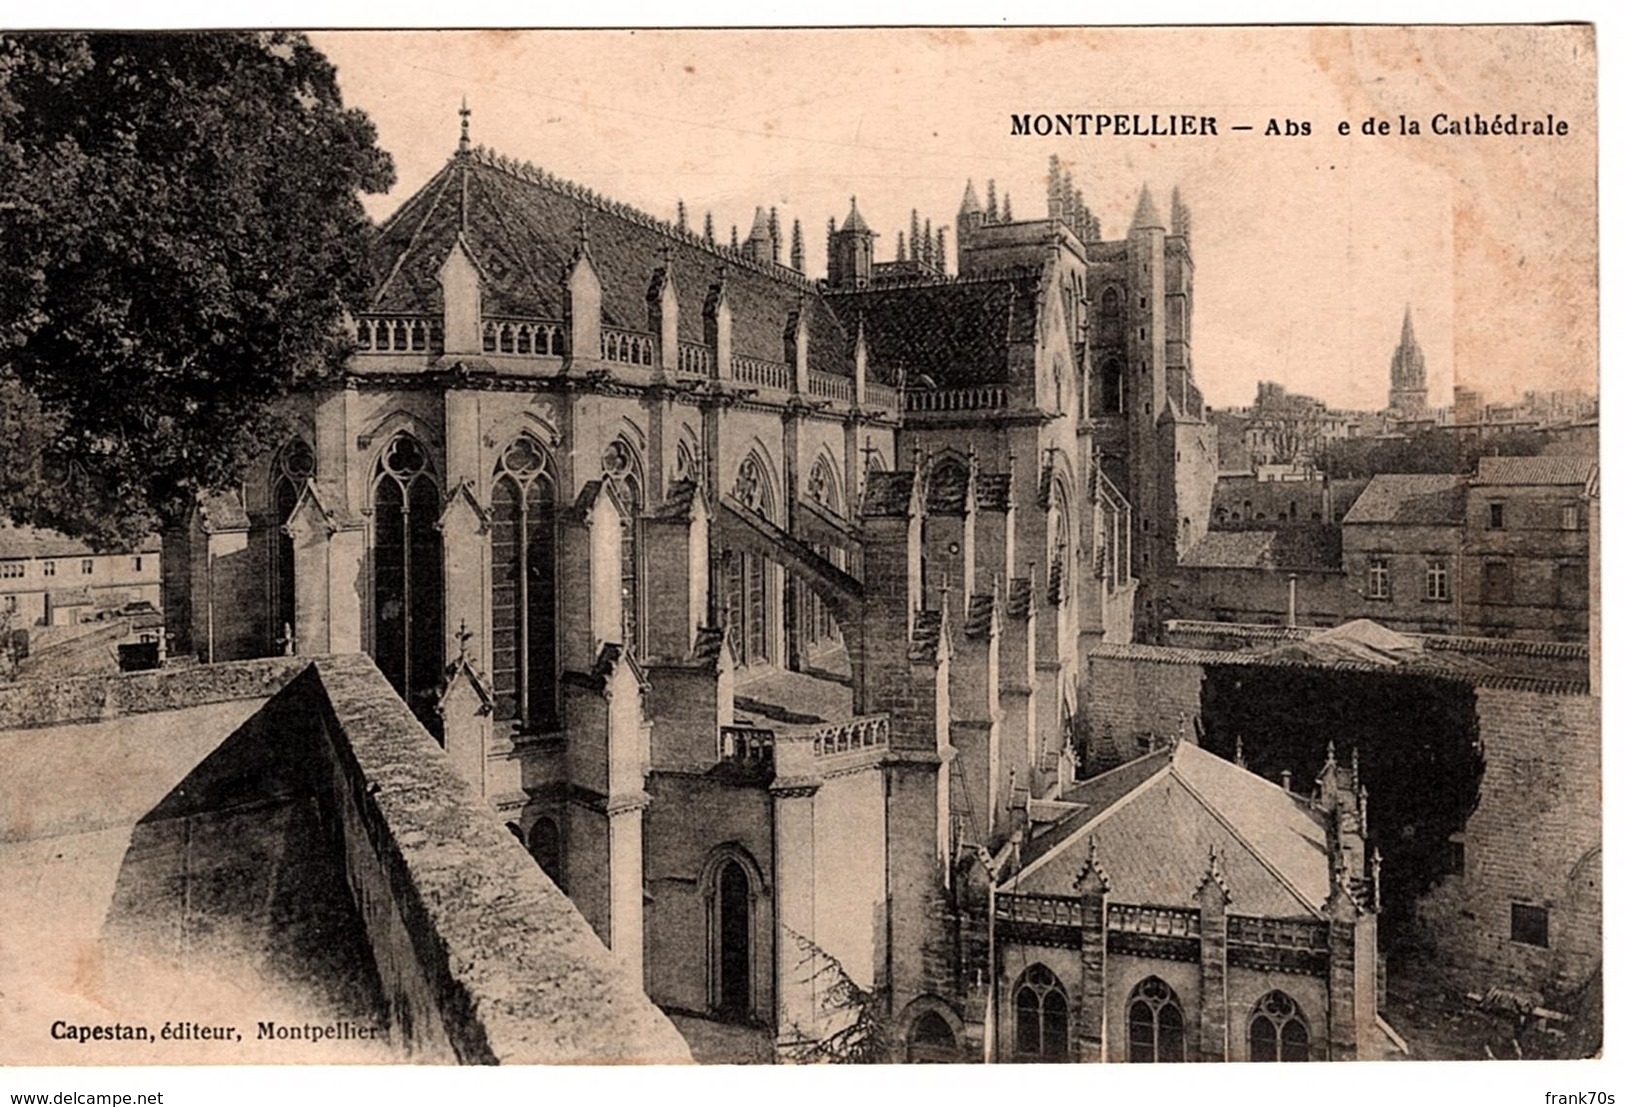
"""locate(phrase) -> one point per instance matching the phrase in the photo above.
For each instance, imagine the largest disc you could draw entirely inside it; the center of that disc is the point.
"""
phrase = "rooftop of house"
(1555, 470)
(1411, 499)
(1154, 822)
(1307, 546)
(24, 541)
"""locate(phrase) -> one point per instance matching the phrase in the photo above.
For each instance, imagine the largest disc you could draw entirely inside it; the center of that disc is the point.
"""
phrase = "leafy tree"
(180, 236)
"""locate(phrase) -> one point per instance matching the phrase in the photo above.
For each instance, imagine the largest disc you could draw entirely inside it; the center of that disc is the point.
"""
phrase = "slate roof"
(523, 228)
(1411, 499)
(958, 331)
(1154, 820)
(1535, 470)
(24, 541)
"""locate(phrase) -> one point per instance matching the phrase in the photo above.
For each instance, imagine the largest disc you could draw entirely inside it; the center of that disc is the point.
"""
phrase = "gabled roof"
(1535, 470)
(1154, 820)
(958, 332)
(523, 227)
(1411, 499)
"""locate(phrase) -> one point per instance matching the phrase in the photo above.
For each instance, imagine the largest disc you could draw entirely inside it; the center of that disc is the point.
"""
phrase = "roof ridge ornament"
(464, 113)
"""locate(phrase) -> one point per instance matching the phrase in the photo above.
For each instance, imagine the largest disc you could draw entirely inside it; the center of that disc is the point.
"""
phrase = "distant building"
(49, 579)
(1525, 547)
(1503, 554)
(1402, 551)
(1287, 432)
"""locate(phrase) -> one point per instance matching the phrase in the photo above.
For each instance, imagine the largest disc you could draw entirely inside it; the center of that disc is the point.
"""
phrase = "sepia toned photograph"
(799, 547)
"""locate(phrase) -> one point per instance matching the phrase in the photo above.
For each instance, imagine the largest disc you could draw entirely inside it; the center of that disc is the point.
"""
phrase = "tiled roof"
(1307, 546)
(23, 541)
(1481, 678)
(1154, 835)
(1535, 470)
(1413, 499)
(957, 332)
(523, 228)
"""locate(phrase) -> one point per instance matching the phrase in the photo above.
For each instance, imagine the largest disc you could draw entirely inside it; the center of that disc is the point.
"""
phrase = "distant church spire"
(1407, 373)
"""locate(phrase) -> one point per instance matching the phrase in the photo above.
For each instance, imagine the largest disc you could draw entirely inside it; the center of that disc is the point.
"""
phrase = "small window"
(1458, 854)
(11, 603)
(1378, 586)
(87, 566)
(12, 570)
(1529, 925)
(1498, 516)
(1571, 517)
(1497, 582)
(1438, 579)
(135, 563)
(50, 568)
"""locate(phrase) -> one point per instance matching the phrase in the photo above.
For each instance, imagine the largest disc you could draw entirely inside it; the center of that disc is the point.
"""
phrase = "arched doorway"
(733, 941)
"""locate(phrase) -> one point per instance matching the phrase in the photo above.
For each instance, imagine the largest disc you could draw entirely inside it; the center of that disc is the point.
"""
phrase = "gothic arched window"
(749, 585)
(621, 470)
(731, 895)
(546, 847)
(816, 622)
(1277, 1030)
(294, 465)
(524, 646)
(407, 574)
(1041, 1016)
(1156, 1025)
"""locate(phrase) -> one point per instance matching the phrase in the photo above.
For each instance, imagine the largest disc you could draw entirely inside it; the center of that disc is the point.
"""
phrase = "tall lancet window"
(407, 574)
(293, 466)
(524, 613)
(749, 587)
(621, 470)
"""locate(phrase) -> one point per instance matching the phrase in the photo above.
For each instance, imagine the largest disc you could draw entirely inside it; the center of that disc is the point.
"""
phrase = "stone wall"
(1135, 694)
(1535, 841)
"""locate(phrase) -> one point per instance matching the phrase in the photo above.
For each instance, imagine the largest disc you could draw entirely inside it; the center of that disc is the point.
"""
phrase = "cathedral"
(754, 604)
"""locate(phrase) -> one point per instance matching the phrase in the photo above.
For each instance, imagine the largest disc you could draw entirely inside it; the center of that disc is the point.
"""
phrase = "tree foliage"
(849, 1025)
(1416, 738)
(1430, 451)
(180, 235)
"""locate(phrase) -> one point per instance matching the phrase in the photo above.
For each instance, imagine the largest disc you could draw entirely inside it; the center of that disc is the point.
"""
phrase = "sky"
(1308, 248)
